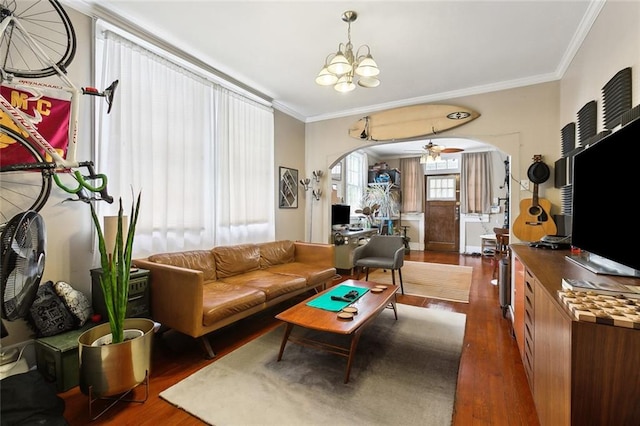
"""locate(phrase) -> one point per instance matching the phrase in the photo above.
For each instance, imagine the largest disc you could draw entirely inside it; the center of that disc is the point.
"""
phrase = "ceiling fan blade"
(451, 150)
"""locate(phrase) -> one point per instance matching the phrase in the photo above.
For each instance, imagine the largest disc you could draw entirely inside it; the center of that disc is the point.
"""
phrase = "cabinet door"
(528, 359)
(518, 303)
(552, 360)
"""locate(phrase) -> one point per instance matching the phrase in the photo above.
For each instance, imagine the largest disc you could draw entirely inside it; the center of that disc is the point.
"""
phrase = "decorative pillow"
(75, 301)
(48, 313)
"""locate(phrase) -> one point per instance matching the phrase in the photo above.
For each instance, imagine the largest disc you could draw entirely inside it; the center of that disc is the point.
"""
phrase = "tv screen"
(605, 187)
(340, 214)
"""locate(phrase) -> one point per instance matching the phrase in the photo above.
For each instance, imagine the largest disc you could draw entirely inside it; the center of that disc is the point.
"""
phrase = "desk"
(352, 239)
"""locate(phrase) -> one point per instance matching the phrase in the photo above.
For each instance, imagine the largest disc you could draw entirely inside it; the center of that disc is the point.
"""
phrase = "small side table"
(138, 305)
(488, 245)
(57, 358)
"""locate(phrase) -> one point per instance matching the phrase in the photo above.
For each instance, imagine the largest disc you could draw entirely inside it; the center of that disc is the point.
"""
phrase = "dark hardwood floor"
(492, 387)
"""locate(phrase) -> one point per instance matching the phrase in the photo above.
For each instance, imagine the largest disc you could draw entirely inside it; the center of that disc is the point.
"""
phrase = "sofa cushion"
(199, 260)
(221, 300)
(234, 260)
(276, 253)
(273, 285)
(313, 274)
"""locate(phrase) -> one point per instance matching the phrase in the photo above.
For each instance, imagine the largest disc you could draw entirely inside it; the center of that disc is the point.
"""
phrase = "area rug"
(404, 373)
(435, 280)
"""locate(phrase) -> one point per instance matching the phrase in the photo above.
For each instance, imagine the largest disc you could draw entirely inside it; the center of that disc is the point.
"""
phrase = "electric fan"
(22, 245)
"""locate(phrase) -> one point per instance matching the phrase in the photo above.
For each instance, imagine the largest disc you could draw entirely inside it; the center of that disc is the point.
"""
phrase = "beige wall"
(612, 44)
(289, 152)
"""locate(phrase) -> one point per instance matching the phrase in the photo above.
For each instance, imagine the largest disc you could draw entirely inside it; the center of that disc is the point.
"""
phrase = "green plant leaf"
(114, 279)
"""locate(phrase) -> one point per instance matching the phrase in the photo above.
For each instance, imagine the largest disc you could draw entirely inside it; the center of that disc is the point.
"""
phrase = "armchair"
(383, 252)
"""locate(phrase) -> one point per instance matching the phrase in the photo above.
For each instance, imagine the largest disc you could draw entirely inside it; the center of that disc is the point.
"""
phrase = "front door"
(442, 213)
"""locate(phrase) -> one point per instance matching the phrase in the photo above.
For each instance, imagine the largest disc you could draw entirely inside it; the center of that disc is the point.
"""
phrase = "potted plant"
(383, 203)
(110, 362)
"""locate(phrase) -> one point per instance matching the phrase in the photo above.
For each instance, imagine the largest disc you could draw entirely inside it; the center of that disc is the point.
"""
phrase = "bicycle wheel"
(25, 178)
(48, 25)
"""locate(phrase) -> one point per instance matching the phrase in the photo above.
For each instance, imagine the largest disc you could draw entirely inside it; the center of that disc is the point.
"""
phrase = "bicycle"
(36, 42)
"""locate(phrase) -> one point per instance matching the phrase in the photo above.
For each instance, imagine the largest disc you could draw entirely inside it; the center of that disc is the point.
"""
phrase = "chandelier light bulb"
(367, 67)
(368, 82)
(325, 78)
(339, 64)
(344, 84)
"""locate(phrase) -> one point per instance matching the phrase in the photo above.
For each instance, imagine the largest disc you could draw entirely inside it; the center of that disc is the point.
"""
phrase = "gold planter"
(115, 368)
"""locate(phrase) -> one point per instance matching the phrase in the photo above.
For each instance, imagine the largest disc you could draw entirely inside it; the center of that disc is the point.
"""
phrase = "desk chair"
(382, 252)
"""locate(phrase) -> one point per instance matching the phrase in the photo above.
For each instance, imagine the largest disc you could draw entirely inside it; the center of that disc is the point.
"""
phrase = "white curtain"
(244, 171)
(186, 144)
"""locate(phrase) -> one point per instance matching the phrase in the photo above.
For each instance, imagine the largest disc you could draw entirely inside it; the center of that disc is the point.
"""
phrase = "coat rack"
(316, 193)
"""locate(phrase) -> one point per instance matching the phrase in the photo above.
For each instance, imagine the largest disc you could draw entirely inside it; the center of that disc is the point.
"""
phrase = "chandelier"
(341, 68)
(431, 157)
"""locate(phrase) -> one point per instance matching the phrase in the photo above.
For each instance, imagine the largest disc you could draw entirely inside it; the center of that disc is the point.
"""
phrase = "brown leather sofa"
(199, 291)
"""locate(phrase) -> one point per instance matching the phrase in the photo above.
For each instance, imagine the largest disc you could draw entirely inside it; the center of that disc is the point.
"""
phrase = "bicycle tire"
(47, 23)
(22, 189)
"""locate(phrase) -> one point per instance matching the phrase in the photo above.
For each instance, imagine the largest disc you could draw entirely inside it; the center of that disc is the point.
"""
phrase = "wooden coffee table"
(369, 305)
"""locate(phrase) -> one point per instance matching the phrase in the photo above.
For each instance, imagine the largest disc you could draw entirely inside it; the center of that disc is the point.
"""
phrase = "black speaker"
(560, 173)
(563, 223)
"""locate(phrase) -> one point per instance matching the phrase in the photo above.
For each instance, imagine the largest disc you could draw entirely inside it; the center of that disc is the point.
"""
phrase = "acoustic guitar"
(534, 221)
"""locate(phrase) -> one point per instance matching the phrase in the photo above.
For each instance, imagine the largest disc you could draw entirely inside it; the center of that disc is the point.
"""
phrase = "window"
(356, 179)
(441, 188)
(198, 152)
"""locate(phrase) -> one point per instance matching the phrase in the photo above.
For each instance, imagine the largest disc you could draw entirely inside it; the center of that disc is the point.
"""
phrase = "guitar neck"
(534, 201)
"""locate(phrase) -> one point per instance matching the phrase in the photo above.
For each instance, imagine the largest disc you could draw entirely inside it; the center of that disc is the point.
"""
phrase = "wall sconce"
(305, 183)
(317, 193)
(317, 174)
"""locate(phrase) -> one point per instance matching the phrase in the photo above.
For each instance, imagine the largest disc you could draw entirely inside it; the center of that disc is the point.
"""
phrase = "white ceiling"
(427, 51)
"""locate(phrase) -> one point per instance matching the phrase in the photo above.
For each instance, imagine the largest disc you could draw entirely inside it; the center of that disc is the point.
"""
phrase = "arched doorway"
(464, 236)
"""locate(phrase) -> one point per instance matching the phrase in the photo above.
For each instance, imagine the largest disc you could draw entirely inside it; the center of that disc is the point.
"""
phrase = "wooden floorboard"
(492, 386)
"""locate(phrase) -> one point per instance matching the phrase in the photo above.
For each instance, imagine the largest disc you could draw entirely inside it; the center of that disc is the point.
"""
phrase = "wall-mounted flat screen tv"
(605, 222)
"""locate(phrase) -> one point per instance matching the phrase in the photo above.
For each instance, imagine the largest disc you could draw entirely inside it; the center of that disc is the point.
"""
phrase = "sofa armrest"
(315, 253)
(176, 296)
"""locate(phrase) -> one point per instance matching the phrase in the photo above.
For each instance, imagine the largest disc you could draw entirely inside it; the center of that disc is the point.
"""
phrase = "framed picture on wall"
(288, 188)
(336, 172)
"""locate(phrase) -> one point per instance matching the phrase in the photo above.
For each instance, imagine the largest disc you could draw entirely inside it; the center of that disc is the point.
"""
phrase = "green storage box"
(57, 358)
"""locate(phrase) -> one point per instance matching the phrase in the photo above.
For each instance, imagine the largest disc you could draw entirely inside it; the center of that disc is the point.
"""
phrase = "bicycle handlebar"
(83, 183)
(108, 93)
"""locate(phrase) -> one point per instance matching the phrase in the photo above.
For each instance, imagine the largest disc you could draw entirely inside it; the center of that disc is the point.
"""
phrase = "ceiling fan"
(433, 152)
(433, 149)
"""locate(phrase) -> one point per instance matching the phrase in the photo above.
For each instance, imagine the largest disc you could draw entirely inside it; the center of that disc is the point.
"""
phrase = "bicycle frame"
(23, 120)
(58, 163)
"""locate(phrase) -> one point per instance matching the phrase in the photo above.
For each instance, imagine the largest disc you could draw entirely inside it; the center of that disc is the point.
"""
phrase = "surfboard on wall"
(411, 122)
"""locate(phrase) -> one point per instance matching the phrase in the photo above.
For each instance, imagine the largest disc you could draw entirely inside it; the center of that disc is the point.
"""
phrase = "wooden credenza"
(580, 373)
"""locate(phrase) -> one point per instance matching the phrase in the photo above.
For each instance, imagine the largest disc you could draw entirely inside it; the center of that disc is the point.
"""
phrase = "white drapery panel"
(476, 182)
(163, 137)
(244, 171)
